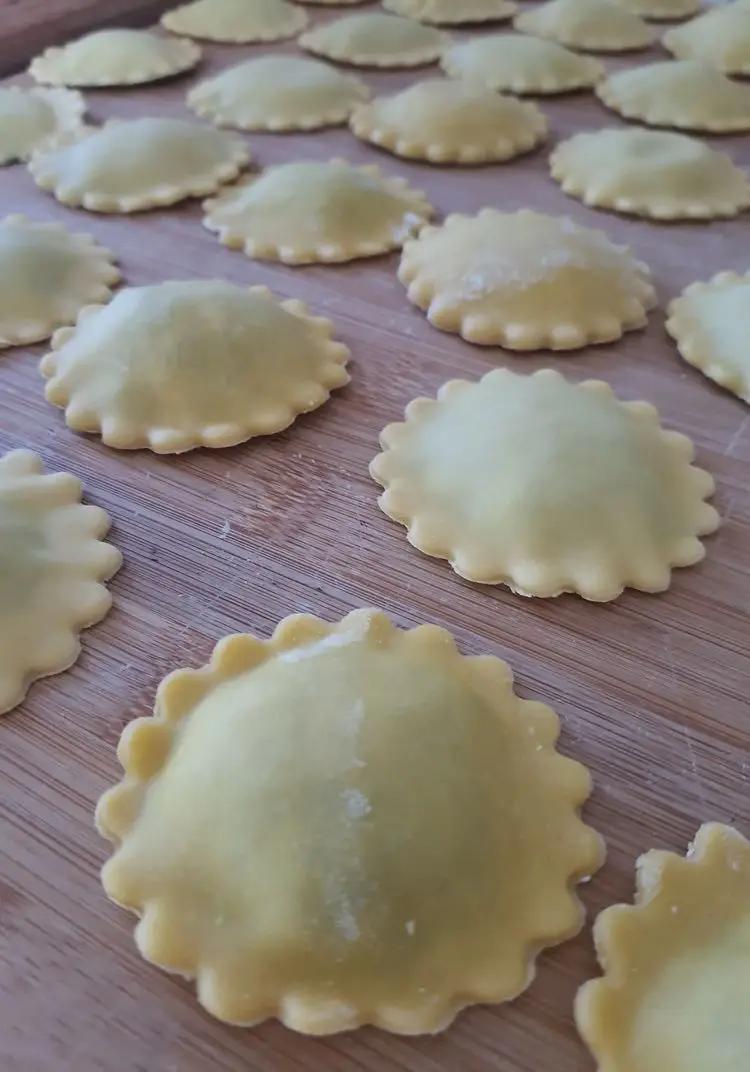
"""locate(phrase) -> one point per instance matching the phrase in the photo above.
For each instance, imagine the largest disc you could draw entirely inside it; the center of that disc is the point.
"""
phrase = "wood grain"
(652, 690)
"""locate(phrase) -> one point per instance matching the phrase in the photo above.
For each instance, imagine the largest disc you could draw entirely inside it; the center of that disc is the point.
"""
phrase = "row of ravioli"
(362, 926)
(719, 36)
(142, 163)
(656, 174)
(522, 280)
(324, 901)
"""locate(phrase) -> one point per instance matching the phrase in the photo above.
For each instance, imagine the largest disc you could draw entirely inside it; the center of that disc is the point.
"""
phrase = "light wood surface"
(652, 690)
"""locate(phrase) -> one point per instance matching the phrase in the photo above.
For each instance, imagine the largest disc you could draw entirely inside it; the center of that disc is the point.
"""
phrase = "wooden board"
(652, 689)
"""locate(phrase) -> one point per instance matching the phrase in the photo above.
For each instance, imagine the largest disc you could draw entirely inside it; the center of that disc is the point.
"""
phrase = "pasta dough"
(289, 815)
(675, 993)
(181, 365)
(710, 322)
(450, 122)
(517, 63)
(114, 58)
(524, 280)
(53, 565)
(278, 93)
(679, 93)
(312, 211)
(47, 275)
(720, 37)
(545, 486)
(661, 9)
(138, 164)
(650, 173)
(376, 40)
(29, 117)
(596, 25)
(238, 22)
(451, 12)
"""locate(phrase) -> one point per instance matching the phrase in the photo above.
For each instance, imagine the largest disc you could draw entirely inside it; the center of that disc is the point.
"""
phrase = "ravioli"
(675, 993)
(450, 122)
(545, 486)
(317, 212)
(658, 174)
(53, 565)
(136, 164)
(200, 363)
(114, 58)
(47, 275)
(288, 816)
(525, 280)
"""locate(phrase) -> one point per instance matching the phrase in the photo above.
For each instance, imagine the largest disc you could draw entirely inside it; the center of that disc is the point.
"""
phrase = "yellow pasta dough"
(289, 816)
(675, 994)
(652, 173)
(316, 211)
(545, 486)
(661, 9)
(679, 93)
(47, 274)
(596, 25)
(376, 40)
(114, 58)
(181, 365)
(127, 166)
(450, 121)
(518, 63)
(29, 117)
(720, 37)
(53, 565)
(278, 93)
(238, 22)
(710, 322)
(453, 12)
(525, 280)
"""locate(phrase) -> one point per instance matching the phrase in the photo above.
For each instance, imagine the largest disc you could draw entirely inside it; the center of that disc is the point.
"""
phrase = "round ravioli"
(517, 63)
(652, 173)
(376, 40)
(313, 211)
(720, 37)
(30, 117)
(53, 565)
(236, 22)
(545, 486)
(525, 281)
(451, 12)
(278, 93)
(450, 122)
(710, 322)
(685, 94)
(675, 993)
(192, 364)
(596, 25)
(127, 166)
(114, 58)
(659, 10)
(289, 815)
(47, 275)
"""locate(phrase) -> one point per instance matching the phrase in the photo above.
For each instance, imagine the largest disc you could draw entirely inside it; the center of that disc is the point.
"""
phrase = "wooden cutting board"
(652, 690)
